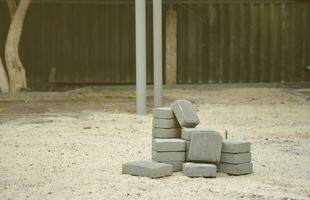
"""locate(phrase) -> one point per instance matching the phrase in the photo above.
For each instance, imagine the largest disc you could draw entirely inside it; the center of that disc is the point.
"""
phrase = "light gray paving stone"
(186, 133)
(199, 170)
(164, 145)
(205, 147)
(165, 123)
(236, 158)
(188, 144)
(166, 133)
(147, 168)
(163, 113)
(239, 169)
(186, 116)
(168, 156)
(176, 166)
(236, 146)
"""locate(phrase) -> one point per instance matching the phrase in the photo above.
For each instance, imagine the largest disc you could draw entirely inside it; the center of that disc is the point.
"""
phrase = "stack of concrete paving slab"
(167, 145)
(236, 157)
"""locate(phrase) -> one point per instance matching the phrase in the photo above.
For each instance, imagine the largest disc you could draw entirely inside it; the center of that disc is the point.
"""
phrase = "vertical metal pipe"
(158, 53)
(140, 11)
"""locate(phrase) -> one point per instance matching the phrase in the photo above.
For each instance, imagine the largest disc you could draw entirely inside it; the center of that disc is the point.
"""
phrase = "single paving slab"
(168, 156)
(165, 123)
(236, 158)
(166, 133)
(186, 116)
(186, 133)
(176, 166)
(163, 113)
(239, 169)
(236, 146)
(205, 147)
(168, 145)
(147, 168)
(199, 170)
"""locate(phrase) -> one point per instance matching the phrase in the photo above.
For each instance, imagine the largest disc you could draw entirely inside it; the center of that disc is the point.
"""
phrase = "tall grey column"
(158, 53)
(140, 56)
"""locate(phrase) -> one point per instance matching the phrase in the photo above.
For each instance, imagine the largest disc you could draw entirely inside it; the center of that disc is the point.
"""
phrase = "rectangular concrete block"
(166, 133)
(199, 170)
(163, 113)
(240, 169)
(168, 156)
(236, 158)
(188, 144)
(205, 147)
(165, 123)
(186, 116)
(164, 145)
(176, 166)
(147, 168)
(236, 146)
(186, 133)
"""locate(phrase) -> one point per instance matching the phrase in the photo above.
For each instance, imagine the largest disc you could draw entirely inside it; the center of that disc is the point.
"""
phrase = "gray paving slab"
(164, 145)
(186, 116)
(147, 168)
(186, 156)
(163, 113)
(165, 123)
(236, 146)
(199, 170)
(240, 169)
(236, 158)
(205, 147)
(176, 166)
(188, 144)
(168, 156)
(166, 133)
(186, 133)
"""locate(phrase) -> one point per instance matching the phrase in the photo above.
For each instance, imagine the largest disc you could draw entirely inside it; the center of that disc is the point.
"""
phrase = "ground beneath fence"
(71, 145)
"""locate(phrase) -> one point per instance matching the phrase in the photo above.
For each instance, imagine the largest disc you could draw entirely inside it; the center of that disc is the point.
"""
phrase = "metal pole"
(140, 56)
(158, 53)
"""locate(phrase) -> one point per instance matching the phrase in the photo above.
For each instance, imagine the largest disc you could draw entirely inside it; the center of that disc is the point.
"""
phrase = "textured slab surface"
(236, 146)
(163, 113)
(240, 169)
(147, 168)
(165, 123)
(205, 147)
(186, 133)
(169, 145)
(176, 166)
(236, 158)
(166, 133)
(183, 111)
(199, 170)
(168, 156)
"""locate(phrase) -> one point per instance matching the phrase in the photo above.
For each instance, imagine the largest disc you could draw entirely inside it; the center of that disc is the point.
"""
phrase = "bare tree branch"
(12, 4)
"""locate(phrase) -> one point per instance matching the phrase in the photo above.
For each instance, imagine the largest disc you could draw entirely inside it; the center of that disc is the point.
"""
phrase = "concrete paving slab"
(199, 170)
(176, 166)
(163, 113)
(236, 146)
(164, 145)
(240, 169)
(188, 144)
(168, 156)
(236, 158)
(147, 168)
(166, 133)
(186, 133)
(205, 147)
(165, 123)
(186, 116)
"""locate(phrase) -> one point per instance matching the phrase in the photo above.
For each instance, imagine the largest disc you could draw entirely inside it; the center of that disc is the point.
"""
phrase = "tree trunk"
(4, 82)
(16, 70)
(12, 4)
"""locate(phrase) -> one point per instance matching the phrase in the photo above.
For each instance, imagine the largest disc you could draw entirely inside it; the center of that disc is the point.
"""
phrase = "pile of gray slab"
(199, 152)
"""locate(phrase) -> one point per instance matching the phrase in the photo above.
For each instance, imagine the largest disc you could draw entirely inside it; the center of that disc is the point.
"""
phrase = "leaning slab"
(165, 123)
(186, 116)
(163, 113)
(176, 166)
(186, 133)
(166, 133)
(205, 147)
(164, 145)
(199, 170)
(240, 169)
(147, 168)
(236, 158)
(236, 146)
(168, 156)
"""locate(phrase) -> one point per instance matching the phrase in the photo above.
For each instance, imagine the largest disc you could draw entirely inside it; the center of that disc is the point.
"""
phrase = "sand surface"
(72, 145)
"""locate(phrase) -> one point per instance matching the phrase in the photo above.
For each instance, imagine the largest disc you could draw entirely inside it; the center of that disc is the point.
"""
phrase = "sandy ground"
(71, 145)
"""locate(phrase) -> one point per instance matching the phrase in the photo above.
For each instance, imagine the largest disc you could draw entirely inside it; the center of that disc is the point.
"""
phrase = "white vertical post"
(158, 53)
(140, 11)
